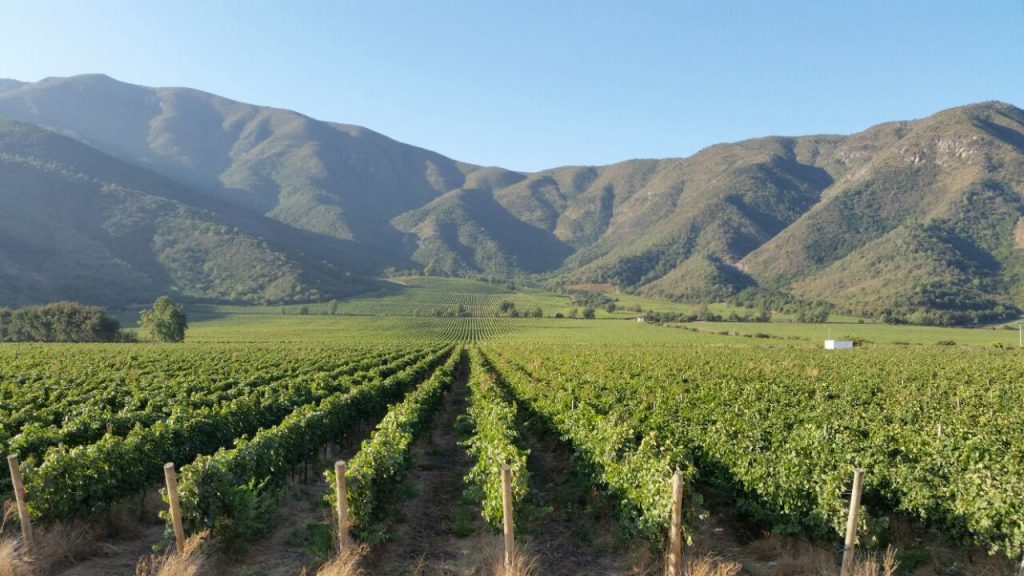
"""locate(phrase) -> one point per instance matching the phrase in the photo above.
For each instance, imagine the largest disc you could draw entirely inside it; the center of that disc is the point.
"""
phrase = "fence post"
(675, 535)
(175, 505)
(851, 524)
(339, 489)
(506, 498)
(19, 496)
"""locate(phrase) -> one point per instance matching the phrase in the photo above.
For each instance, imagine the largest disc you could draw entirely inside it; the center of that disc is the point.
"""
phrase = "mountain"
(6, 85)
(912, 221)
(334, 180)
(80, 224)
(922, 221)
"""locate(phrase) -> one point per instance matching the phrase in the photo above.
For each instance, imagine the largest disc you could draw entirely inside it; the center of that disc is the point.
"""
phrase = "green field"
(765, 425)
(402, 312)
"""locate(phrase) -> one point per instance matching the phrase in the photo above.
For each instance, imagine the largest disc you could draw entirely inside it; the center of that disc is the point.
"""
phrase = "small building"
(838, 344)
(641, 319)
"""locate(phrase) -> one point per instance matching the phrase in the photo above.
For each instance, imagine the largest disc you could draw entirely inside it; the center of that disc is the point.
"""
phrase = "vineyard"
(591, 419)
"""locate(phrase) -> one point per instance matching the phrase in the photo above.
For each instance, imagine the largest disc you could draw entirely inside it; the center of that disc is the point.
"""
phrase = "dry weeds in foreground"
(709, 565)
(792, 557)
(54, 545)
(13, 561)
(523, 564)
(346, 564)
(188, 563)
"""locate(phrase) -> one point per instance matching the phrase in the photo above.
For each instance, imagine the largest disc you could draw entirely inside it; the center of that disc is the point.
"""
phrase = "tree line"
(75, 322)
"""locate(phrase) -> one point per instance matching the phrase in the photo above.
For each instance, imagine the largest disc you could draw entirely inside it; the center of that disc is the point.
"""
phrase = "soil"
(436, 531)
(301, 538)
(572, 529)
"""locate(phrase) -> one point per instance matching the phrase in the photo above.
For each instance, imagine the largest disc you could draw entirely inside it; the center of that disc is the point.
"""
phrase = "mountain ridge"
(807, 215)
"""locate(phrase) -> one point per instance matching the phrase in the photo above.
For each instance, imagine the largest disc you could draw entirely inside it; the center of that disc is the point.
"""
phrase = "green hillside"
(80, 224)
(924, 230)
(337, 181)
(915, 221)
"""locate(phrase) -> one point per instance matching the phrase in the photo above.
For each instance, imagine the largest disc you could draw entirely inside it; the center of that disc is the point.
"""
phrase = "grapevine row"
(495, 441)
(940, 438)
(91, 425)
(225, 491)
(72, 480)
(384, 457)
(635, 468)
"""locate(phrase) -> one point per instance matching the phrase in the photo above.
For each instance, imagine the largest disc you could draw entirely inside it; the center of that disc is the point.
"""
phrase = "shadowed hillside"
(80, 224)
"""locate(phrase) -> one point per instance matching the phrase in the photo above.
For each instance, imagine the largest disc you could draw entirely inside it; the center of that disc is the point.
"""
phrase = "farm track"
(436, 532)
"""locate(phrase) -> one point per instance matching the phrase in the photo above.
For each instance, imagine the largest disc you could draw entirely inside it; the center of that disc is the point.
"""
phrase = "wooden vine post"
(339, 489)
(851, 524)
(675, 534)
(19, 496)
(506, 500)
(171, 478)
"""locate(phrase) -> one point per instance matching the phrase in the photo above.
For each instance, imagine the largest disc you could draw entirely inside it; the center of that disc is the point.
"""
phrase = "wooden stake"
(675, 535)
(175, 504)
(851, 524)
(19, 496)
(339, 489)
(506, 498)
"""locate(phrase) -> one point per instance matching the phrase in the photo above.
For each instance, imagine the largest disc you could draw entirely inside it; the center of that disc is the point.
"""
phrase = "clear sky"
(535, 84)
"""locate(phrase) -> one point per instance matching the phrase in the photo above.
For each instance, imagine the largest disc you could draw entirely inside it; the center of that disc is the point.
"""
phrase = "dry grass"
(709, 565)
(52, 546)
(347, 564)
(59, 544)
(188, 563)
(13, 560)
(523, 564)
(884, 566)
(791, 557)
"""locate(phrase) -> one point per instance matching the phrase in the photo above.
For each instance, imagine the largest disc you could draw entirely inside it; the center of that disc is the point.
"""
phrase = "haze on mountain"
(113, 193)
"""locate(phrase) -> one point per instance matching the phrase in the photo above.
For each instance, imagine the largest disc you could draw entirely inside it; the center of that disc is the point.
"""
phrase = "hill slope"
(80, 224)
(915, 220)
(337, 181)
(925, 225)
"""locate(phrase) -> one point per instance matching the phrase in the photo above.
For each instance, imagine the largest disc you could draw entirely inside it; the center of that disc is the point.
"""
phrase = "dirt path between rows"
(301, 537)
(573, 528)
(436, 531)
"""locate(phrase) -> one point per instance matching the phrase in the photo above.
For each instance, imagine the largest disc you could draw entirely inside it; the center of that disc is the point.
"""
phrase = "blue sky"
(536, 84)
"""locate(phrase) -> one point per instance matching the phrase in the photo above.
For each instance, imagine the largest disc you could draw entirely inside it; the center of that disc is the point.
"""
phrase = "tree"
(60, 322)
(5, 323)
(589, 313)
(507, 308)
(165, 322)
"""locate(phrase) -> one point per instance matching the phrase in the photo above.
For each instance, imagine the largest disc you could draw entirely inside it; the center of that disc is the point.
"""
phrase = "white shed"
(838, 344)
